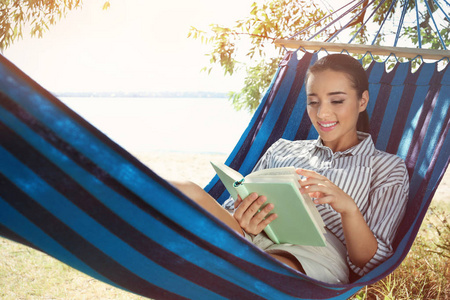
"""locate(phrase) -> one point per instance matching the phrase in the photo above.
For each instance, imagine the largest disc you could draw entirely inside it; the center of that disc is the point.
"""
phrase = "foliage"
(267, 22)
(273, 19)
(16, 15)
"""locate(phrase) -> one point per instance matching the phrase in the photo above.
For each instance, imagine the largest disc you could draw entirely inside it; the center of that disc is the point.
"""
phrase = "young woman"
(361, 192)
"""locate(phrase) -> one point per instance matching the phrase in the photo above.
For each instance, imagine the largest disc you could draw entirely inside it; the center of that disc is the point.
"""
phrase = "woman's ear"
(364, 101)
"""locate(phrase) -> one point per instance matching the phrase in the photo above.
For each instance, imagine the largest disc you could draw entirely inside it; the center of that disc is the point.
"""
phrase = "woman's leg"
(289, 260)
(205, 200)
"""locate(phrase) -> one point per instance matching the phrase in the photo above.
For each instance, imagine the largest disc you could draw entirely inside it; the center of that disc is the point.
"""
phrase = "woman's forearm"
(361, 243)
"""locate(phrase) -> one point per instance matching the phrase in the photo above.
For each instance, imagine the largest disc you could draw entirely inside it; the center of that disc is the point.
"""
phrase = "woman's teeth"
(328, 124)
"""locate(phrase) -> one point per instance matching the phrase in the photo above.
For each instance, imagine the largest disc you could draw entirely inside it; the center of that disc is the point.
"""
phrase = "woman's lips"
(327, 126)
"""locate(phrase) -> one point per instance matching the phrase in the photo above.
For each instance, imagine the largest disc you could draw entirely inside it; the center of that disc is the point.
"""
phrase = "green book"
(298, 222)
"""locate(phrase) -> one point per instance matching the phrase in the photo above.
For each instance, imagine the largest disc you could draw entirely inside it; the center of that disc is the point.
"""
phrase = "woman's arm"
(360, 241)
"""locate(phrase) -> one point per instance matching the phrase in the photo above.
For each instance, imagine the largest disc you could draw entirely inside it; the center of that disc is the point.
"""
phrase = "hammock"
(69, 191)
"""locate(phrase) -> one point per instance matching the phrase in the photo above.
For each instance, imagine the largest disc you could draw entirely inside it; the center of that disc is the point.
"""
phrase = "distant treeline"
(144, 94)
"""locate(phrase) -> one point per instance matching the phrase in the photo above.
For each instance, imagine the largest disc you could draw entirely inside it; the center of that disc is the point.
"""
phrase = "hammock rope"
(365, 22)
(419, 34)
(446, 15)
(435, 25)
(336, 20)
(319, 21)
(362, 12)
(311, 42)
(384, 21)
(400, 24)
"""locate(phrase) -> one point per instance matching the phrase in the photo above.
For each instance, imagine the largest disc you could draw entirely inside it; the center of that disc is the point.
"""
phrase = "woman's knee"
(183, 185)
(190, 189)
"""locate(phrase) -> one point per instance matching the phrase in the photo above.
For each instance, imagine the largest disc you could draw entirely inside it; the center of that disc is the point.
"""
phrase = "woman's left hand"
(324, 191)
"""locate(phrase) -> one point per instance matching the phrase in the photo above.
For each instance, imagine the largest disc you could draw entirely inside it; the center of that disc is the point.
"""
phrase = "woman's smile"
(327, 126)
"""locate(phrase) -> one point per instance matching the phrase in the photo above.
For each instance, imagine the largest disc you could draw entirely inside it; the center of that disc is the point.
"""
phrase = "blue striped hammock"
(69, 191)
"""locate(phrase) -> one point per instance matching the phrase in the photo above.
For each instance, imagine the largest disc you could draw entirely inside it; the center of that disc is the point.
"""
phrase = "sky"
(135, 45)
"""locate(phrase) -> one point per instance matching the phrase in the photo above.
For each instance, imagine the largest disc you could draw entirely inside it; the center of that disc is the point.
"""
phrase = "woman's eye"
(337, 101)
(312, 102)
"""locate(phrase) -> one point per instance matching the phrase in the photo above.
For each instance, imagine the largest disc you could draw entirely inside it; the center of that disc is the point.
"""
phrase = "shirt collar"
(364, 147)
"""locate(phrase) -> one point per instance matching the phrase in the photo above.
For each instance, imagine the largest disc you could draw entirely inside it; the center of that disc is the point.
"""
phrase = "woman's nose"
(324, 111)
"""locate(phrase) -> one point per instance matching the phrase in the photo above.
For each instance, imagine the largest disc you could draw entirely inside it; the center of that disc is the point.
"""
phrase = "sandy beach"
(196, 167)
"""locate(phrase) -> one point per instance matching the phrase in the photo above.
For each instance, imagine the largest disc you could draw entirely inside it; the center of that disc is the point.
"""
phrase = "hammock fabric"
(69, 191)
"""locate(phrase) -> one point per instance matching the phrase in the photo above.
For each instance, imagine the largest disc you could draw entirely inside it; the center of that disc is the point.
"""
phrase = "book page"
(274, 172)
(228, 176)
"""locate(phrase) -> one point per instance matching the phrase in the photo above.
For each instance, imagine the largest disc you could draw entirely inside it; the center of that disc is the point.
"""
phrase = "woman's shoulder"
(389, 159)
(389, 168)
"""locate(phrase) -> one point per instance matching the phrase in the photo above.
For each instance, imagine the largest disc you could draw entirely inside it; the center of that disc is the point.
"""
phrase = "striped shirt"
(377, 182)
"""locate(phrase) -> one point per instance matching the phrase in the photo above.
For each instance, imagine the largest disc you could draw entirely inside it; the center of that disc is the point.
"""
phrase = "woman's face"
(333, 107)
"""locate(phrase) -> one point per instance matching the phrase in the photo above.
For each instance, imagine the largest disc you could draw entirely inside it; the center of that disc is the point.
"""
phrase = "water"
(199, 125)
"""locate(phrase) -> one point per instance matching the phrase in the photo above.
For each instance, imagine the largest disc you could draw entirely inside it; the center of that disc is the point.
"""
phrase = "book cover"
(298, 222)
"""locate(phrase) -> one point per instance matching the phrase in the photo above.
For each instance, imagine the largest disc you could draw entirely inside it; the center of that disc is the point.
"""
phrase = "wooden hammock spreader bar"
(362, 49)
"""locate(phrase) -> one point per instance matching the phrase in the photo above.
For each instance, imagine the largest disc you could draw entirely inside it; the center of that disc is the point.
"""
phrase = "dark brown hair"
(356, 73)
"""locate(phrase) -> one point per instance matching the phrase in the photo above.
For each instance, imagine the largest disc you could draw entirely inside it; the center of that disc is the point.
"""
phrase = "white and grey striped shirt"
(376, 180)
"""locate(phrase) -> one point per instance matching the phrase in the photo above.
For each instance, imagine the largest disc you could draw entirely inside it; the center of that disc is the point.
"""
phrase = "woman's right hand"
(249, 216)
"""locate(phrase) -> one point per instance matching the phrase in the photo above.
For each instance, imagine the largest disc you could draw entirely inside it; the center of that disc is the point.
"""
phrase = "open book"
(298, 222)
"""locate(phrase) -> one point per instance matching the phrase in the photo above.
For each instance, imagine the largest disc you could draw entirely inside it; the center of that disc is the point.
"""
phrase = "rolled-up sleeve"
(384, 214)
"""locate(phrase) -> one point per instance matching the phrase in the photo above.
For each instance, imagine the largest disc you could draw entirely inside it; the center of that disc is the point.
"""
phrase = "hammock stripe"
(69, 191)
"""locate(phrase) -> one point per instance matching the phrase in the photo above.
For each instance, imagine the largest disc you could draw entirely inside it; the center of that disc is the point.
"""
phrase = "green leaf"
(106, 5)
(36, 15)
